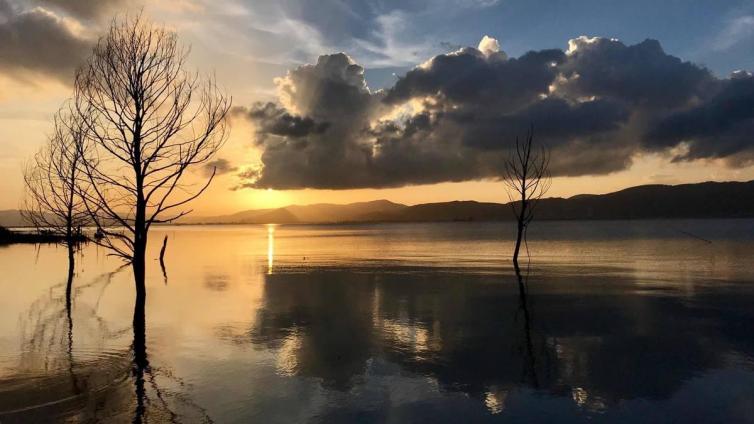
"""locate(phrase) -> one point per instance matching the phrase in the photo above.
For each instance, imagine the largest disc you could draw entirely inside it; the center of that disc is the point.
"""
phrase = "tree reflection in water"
(159, 395)
(589, 348)
(56, 381)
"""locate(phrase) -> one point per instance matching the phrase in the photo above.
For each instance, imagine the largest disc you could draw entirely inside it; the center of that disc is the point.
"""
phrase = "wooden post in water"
(162, 258)
(162, 251)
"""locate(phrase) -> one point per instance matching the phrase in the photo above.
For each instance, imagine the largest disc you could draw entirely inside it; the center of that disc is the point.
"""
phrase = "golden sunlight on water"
(270, 247)
(296, 322)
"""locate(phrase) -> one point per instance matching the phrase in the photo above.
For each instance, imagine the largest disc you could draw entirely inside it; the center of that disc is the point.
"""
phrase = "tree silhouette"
(53, 201)
(148, 122)
(527, 179)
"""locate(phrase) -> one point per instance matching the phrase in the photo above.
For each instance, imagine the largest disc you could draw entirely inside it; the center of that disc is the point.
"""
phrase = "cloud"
(384, 34)
(38, 41)
(469, 77)
(325, 108)
(274, 120)
(218, 166)
(86, 9)
(737, 30)
(642, 74)
(332, 88)
(488, 45)
(388, 45)
(596, 105)
(719, 127)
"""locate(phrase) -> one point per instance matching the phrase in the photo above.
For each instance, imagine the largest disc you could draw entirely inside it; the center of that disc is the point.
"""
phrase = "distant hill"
(446, 211)
(11, 218)
(325, 212)
(256, 216)
(703, 200)
(321, 213)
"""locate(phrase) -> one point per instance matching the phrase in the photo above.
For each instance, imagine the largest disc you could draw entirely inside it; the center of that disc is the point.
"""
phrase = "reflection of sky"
(316, 340)
(646, 249)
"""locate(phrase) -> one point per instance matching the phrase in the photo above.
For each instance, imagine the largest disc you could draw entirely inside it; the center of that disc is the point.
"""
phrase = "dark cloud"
(556, 122)
(642, 74)
(332, 88)
(274, 120)
(38, 41)
(720, 127)
(468, 76)
(327, 106)
(219, 166)
(86, 9)
(455, 117)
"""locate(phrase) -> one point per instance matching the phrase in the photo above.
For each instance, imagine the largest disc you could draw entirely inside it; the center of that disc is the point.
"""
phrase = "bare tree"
(53, 201)
(527, 179)
(148, 122)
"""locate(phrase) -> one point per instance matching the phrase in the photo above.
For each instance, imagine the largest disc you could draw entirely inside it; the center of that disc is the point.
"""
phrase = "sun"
(267, 198)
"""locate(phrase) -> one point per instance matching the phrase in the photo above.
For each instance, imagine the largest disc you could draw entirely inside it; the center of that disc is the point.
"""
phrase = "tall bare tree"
(52, 179)
(148, 122)
(527, 179)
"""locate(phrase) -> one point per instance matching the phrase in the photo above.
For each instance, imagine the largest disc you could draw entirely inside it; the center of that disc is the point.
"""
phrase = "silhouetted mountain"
(257, 216)
(11, 218)
(325, 212)
(446, 211)
(703, 200)
(320, 213)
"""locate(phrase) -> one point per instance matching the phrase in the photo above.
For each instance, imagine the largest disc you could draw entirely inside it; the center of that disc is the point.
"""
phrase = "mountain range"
(702, 200)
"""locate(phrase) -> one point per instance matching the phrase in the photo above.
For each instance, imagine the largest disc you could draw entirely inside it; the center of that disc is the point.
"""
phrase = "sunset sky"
(416, 101)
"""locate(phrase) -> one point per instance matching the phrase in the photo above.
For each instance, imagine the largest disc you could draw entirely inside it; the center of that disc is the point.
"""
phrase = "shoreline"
(8, 236)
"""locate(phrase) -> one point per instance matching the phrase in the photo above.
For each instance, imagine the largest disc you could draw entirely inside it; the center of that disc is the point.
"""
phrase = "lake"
(621, 321)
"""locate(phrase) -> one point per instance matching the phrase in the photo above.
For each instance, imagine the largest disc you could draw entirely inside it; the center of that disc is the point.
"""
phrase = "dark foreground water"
(623, 322)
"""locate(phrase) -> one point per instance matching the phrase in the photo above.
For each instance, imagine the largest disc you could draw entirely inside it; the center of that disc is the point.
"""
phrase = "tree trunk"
(519, 234)
(139, 327)
(140, 253)
(69, 313)
(139, 321)
(140, 238)
(69, 317)
(140, 361)
(139, 267)
(517, 249)
(69, 284)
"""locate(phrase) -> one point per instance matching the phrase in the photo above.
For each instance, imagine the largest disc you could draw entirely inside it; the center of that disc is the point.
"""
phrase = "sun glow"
(267, 198)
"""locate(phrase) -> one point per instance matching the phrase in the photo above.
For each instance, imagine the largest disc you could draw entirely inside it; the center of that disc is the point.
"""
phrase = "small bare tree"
(527, 179)
(148, 122)
(53, 201)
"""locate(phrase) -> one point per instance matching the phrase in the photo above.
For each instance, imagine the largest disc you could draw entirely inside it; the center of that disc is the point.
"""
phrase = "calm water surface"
(645, 321)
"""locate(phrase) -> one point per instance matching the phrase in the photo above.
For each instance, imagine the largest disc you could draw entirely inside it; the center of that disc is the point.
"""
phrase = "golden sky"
(246, 51)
